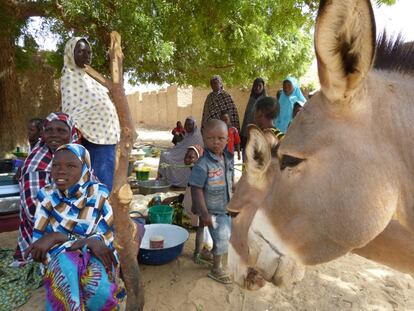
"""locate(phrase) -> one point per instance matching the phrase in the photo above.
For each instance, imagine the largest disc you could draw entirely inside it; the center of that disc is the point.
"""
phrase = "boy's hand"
(238, 156)
(206, 220)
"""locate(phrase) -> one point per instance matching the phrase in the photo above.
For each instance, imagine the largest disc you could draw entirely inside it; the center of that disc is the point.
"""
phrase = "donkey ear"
(272, 140)
(344, 45)
(257, 151)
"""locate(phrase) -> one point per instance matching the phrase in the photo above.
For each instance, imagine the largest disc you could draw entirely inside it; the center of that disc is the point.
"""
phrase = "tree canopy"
(186, 41)
(174, 41)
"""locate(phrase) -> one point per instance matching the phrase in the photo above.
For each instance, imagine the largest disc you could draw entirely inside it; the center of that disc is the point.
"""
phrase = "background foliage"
(174, 41)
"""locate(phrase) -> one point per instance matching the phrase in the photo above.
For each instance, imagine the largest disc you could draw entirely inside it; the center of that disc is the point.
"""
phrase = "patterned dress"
(76, 280)
(95, 116)
(215, 104)
(87, 102)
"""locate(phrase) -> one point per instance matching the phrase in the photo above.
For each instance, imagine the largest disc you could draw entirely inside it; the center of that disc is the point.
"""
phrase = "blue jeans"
(102, 161)
(220, 233)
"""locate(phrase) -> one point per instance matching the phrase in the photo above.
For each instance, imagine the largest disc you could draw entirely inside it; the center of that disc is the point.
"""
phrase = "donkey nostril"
(254, 280)
(289, 161)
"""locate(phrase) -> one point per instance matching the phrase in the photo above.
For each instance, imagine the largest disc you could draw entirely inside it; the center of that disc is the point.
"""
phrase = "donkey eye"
(289, 161)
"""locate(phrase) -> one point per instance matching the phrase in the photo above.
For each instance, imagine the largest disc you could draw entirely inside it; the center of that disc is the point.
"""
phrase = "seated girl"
(171, 161)
(73, 236)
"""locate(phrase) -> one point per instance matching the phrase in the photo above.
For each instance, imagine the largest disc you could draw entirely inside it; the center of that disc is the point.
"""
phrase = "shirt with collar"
(215, 177)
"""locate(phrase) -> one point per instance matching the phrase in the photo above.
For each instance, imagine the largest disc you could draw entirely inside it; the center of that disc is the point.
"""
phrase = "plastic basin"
(160, 214)
(174, 239)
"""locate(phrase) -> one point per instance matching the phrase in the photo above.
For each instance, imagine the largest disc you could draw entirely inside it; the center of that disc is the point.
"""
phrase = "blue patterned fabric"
(82, 210)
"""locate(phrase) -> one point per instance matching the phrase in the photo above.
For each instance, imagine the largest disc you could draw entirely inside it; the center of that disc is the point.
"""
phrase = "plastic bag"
(207, 239)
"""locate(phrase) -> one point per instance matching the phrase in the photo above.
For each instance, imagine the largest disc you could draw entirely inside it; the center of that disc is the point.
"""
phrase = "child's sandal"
(199, 260)
(223, 278)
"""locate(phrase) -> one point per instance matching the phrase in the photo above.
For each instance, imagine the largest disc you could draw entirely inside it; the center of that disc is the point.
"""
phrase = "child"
(211, 182)
(233, 134)
(178, 133)
(34, 132)
(73, 236)
(267, 109)
(201, 253)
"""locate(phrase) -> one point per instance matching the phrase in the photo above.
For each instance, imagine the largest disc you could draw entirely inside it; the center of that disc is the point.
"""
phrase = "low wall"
(164, 108)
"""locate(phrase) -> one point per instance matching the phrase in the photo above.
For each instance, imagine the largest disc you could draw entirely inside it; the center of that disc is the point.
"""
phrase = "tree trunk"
(9, 87)
(125, 238)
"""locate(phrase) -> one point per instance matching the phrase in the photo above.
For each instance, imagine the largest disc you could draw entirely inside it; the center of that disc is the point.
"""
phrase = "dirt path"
(349, 283)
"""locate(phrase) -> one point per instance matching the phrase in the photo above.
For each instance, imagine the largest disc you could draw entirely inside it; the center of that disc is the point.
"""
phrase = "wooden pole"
(126, 241)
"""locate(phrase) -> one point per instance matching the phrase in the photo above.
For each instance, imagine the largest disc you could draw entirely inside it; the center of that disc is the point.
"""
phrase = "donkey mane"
(394, 55)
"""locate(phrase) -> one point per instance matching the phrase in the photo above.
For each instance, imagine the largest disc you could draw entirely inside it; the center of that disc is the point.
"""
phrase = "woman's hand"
(102, 252)
(40, 248)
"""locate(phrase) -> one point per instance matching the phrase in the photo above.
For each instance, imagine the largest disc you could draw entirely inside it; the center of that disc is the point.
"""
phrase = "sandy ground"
(349, 283)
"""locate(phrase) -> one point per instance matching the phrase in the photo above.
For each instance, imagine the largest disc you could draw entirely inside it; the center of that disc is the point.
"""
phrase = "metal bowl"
(153, 186)
(9, 205)
(174, 239)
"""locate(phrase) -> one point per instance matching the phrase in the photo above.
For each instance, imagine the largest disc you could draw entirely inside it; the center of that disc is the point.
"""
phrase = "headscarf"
(217, 78)
(40, 157)
(193, 120)
(82, 210)
(287, 103)
(216, 102)
(249, 112)
(86, 176)
(87, 101)
(255, 83)
(198, 150)
(35, 175)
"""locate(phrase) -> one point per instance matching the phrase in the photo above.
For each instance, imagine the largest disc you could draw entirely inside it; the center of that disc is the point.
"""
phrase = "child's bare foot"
(220, 276)
(199, 259)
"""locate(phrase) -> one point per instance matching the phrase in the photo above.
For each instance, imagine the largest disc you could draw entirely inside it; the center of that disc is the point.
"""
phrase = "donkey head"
(326, 192)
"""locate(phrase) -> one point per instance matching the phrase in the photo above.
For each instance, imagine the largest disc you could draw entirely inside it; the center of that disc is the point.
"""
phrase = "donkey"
(342, 179)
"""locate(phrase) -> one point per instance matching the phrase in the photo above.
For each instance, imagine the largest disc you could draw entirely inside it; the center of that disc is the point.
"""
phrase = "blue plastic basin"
(174, 239)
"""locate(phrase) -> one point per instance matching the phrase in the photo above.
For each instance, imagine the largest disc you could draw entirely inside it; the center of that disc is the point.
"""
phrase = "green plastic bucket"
(161, 214)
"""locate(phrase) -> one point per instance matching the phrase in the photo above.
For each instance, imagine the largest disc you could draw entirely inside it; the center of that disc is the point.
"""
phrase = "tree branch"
(126, 239)
(24, 10)
(97, 76)
(222, 67)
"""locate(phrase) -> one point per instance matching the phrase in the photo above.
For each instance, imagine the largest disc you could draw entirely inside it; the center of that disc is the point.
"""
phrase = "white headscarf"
(87, 101)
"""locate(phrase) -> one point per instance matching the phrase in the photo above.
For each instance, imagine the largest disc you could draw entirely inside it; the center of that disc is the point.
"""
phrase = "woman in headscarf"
(217, 101)
(88, 103)
(171, 164)
(258, 91)
(73, 236)
(58, 129)
(290, 96)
